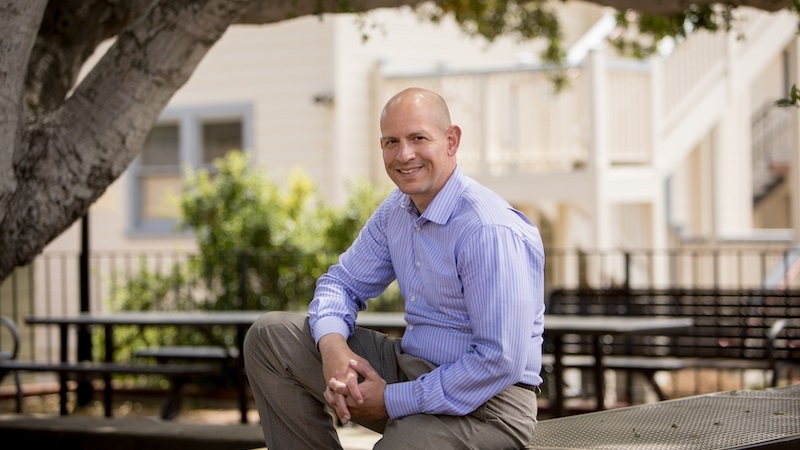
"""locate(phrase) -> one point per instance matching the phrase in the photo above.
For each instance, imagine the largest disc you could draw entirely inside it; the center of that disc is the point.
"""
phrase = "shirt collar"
(443, 205)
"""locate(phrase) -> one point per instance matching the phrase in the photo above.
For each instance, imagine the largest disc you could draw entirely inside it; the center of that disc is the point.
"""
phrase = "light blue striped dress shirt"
(470, 270)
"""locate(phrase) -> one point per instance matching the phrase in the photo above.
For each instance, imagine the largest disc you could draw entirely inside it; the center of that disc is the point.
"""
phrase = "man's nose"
(405, 152)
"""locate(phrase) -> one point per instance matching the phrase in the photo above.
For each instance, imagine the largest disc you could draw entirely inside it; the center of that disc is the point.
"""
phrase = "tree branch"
(120, 99)
(668, 7)
(271, 11)
(70, 32)
(74, 153)
(19, 22)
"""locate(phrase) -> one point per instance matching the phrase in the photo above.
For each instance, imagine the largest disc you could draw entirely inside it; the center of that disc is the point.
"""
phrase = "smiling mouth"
(408, 171)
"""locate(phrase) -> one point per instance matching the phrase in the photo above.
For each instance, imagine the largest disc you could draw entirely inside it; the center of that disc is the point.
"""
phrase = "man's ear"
(453, 139)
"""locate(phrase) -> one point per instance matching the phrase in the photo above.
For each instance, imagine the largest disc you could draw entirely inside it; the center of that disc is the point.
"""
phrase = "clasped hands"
(351, 398)
(344, 392)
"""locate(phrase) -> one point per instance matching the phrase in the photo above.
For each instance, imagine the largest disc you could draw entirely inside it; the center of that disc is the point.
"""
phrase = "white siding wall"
(278, 69)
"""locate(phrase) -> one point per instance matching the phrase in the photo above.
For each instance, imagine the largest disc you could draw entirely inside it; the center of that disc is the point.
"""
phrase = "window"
(182, 138)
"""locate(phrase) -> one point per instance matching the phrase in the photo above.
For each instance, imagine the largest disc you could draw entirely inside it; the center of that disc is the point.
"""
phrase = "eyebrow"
(415, 133)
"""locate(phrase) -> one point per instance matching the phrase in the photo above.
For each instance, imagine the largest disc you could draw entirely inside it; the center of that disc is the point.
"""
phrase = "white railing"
(630, 113)
(689, 69)
(514, 121)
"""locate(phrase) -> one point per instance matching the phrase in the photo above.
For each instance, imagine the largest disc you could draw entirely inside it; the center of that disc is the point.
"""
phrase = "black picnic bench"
(168, 353)
(733, 329)
(225, 358)
(177, 374)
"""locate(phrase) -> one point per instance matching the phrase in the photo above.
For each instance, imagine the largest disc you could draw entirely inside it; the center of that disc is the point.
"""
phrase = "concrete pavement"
(90, 433)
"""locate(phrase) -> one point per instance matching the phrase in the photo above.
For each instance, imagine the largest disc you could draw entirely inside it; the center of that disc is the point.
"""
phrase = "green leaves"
(640, 34)
(258, 242)
(793, 100)
(493, 18)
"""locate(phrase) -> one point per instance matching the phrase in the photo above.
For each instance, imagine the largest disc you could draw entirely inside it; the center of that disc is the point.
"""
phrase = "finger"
(333, 400)
(329, 396)
(342, 411)
(364, 369)
(338, 386)
(337, 400)
(352, 386)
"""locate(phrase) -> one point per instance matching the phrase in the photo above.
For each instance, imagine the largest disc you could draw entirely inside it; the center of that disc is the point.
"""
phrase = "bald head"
(418, 99)
(419, 144)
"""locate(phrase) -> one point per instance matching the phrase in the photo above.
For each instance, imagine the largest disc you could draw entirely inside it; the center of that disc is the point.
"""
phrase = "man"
(470, 269)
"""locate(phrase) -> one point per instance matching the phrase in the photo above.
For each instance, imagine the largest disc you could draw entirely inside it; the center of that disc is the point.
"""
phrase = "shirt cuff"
(330, 324)
(400, 400)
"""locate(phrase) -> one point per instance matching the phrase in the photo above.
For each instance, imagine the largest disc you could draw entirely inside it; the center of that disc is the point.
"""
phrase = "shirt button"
(411, 327)
(417, 263)
(418, 228)
(413, 298)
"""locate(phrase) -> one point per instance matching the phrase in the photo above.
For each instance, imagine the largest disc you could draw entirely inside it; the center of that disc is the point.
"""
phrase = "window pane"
(219, 138)
(161, 146)
(157, 195)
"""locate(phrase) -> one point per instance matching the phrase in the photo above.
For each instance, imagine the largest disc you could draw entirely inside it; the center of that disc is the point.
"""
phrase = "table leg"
(241, 379)
(599, 376)
(109, 357)
(558, 376)
(62, 376)
(84, 391)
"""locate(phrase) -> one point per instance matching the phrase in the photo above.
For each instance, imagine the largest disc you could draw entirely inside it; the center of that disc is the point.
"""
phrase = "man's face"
(418, 152)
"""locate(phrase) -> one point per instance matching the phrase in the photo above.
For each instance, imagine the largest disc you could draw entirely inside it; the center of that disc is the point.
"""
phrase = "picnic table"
(733, 330)
(239, 320)
(558, 326)
(555, 327)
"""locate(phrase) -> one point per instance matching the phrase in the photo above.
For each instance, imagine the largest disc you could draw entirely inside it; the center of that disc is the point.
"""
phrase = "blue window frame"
(182, 138)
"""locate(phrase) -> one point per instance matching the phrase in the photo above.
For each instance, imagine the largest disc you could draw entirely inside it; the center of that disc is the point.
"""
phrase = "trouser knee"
(271, 326)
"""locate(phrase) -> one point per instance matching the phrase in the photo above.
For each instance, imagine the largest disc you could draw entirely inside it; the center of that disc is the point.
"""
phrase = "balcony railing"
(618, 111)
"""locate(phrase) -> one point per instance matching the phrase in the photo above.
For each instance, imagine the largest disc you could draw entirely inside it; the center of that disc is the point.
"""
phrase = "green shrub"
(260, 248)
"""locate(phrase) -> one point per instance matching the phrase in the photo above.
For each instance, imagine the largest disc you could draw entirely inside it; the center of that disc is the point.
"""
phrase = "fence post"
(242, 280)
(84, 391)
(627, 282)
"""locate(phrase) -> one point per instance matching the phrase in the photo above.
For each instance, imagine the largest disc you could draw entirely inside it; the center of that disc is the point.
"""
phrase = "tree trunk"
(19, 20)
(62, 161)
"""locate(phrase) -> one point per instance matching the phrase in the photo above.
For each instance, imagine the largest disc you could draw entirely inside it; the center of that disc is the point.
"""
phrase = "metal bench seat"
(177, 374)
(189, 352)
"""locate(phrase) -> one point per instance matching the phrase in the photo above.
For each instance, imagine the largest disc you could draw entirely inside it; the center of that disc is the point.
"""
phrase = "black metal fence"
(51, 285)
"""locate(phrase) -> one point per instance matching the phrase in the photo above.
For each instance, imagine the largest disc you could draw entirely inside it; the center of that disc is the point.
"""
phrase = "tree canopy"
(62, 143)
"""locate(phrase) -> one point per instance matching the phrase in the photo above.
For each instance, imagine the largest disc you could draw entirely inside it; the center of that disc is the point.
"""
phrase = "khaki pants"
(284, 369)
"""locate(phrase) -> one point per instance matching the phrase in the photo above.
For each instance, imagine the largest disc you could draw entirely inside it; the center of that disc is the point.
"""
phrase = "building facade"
(684, 151)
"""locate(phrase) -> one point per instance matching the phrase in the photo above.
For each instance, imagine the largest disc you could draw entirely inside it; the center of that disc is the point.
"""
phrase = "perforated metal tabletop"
(763, 419)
